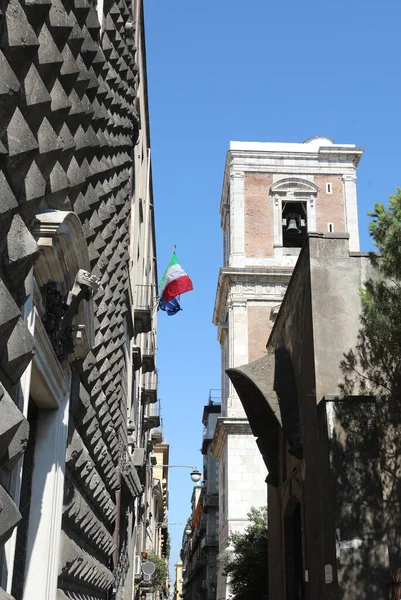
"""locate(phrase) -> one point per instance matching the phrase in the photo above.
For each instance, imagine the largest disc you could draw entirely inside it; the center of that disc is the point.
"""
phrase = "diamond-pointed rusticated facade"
(77, 258)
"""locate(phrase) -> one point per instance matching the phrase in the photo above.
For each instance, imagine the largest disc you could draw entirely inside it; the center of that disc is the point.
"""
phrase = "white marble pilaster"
(351, 211)
(45, 515)
(237, 220)
(9, 549)
(278, 221)
(311, 213)
(238, 349)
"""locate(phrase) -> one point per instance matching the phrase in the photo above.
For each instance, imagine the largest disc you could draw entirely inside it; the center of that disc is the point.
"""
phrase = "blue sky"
(258, 71)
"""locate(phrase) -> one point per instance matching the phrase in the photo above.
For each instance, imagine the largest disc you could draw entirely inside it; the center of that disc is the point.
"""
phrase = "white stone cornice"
(329, 154)
(226, 426)
(296, 165)
(236, 286)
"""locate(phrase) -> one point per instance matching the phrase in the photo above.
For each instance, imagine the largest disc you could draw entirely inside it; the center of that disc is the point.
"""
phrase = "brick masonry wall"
(259, 327)
(258, 206)
(330, 207)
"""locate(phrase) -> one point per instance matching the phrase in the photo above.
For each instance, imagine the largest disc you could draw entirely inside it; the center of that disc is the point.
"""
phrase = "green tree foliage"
(375, 365)
(166, 544)
(159, 580)
(246, 563)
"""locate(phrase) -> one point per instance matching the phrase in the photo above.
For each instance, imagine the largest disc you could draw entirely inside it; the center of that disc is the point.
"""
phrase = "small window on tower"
(329, 189)
(330, 227)
(294, 224)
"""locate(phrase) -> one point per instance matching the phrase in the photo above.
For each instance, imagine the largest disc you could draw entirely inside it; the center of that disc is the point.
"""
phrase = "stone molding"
(303, 186)
(49, 381)
(247, 160)
(237, 286)
(228, 426)
(62, 247)
(45, 517)
(349, 177)
(237, 175)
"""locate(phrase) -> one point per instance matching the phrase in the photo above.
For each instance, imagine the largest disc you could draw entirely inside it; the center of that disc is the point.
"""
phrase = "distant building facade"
(200, 548)
(273, 195)
(78, 277)
(178, 581)
(210, 543)
(191, 552)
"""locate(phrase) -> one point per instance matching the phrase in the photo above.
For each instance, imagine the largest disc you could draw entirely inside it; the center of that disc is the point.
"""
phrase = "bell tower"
(273, 195)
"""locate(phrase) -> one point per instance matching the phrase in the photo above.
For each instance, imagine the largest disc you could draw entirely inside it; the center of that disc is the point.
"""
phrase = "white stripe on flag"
(173, 272)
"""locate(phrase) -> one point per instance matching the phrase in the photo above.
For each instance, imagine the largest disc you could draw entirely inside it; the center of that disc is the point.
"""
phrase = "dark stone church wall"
(357, 497)
(67, 129)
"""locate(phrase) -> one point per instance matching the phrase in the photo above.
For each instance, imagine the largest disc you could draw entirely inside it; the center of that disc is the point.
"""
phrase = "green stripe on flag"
(173, 261)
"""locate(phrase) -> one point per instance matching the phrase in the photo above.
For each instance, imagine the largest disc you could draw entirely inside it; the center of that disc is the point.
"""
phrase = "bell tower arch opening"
(295, 214)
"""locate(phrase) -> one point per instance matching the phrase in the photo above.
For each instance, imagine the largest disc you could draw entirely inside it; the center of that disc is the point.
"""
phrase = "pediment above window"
(294, 185)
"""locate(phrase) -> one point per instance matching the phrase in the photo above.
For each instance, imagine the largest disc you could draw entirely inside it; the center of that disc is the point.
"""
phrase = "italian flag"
(174, 281)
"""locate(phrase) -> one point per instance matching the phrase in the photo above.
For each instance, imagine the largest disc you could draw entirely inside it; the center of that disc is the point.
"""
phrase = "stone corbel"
(85, 286)
(62, 274)
(68, 338)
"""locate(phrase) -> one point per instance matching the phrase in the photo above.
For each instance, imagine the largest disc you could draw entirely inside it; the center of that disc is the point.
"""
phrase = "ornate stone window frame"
(293, 189)
(63, 253)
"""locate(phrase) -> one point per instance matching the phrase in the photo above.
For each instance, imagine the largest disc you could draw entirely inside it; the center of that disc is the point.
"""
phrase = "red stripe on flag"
(177, 287)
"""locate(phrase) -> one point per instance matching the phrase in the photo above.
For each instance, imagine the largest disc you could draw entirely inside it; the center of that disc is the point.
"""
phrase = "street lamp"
(195, 474)
(188, 529)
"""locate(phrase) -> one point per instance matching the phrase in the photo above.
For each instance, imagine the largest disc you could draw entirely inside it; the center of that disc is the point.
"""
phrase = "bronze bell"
(292, 225)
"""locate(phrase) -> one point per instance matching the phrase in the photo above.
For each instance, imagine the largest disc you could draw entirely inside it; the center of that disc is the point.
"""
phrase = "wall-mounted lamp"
(195, 474)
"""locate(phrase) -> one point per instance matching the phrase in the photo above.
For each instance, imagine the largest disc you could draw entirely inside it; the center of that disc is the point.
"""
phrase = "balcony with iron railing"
(149, 390)
(149, 353)
(152, 420)
(213, 406)
(144, 302)
(136, 357)
(214, 397)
